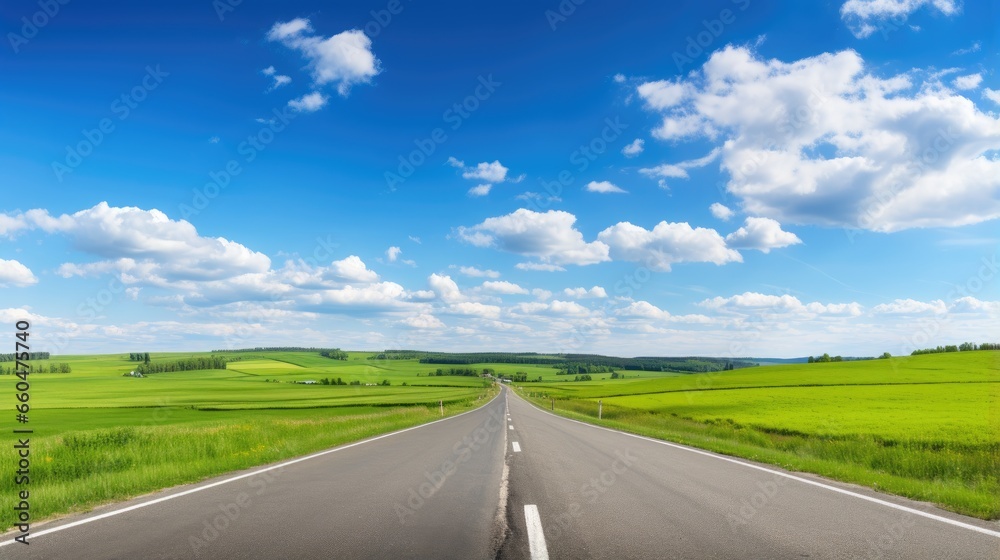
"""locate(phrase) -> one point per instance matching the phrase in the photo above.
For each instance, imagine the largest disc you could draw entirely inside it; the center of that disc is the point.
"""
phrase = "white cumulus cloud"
(422, 321)
(762, 234)
(352, 269)
(478, 273)
(864, 16)
(633, 148)
(839, 145)
(343, 59)
(911, 307)
(721, 211)
(492, 172)
(445, 288)
(583, 293)
(604, 187)
(309, 102)
(503, 287)
(13, 273)
(480, 190)
(970, 81)
(550, 236)
(667, 243)
(146, 242)
(783, 304)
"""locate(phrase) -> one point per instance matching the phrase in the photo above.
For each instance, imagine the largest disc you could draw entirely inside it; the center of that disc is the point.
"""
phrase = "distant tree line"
(335, 354)
(187, 364)
(489, 358)
(397, 355)
(584, 377)
(51, 367)
(339, 381)
(590, 363)
(470, 372)
(689, 364)
(825, 358)
(964, 347)
(139, 357)
(573, 369)
(31, 356)
(275, 349)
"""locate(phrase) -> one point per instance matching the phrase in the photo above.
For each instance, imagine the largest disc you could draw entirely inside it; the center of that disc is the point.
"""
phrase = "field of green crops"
(927, 427)
(99, 436)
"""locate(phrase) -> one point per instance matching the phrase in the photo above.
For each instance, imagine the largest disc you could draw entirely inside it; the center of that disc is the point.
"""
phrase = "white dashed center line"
(516, 446)
(536, 538)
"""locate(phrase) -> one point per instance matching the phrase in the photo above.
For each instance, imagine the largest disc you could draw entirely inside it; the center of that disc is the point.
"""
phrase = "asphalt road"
(393, 497)
(605, 494)
(573, 491)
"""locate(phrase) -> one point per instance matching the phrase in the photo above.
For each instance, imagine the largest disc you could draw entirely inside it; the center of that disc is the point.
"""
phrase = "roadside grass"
(100, 437)
(931, 435)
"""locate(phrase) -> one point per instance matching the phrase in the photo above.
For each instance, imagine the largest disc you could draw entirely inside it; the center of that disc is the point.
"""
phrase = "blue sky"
(734, 178)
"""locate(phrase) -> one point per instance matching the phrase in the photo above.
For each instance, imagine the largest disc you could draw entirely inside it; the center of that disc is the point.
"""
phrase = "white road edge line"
(105, 515)
(516, 446)
(899, 507)
(536, 538)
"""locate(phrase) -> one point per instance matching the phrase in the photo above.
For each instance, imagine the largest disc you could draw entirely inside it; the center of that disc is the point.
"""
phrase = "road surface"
(511, 481)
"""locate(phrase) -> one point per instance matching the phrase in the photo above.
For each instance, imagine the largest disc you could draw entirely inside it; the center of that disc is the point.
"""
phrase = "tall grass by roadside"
(962, 477)
(78, 470)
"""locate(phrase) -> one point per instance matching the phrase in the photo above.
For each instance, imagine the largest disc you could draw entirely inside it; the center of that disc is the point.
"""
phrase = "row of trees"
(51, 367)
(469, 372)
(828, 358)
(824, 359)
(273, 349)
(964, 347)
(397, 355)
(573, 369)
(339, 381)
(139, 357)
(590, 363)
(489, 358)
(335, 354)
(188, 364)
(31, 356)
(689, 364)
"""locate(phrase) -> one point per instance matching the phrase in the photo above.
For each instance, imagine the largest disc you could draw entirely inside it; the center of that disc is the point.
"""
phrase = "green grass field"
(926, 427)
(99, 436)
